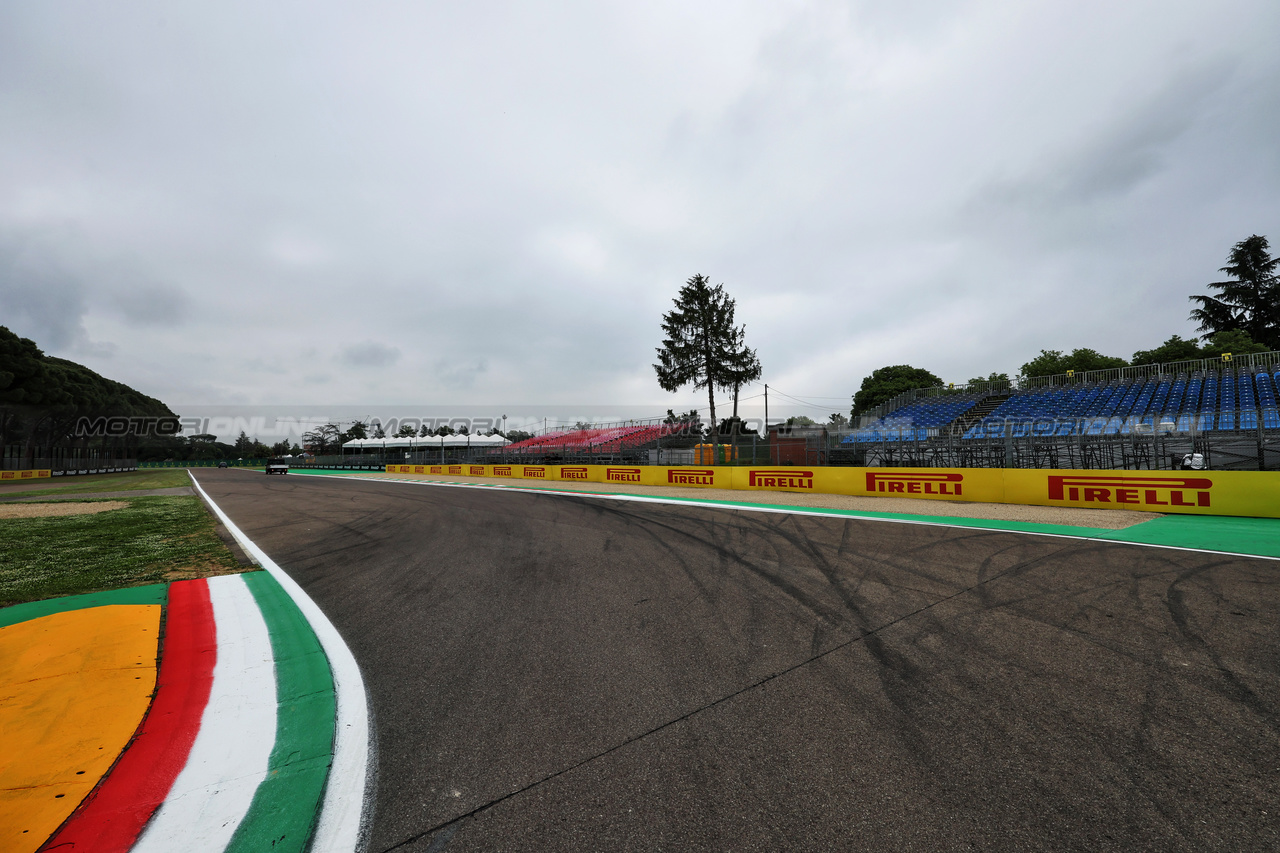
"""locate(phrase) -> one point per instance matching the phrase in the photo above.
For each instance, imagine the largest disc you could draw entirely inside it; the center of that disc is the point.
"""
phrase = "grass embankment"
(151, 540)
(126, 481)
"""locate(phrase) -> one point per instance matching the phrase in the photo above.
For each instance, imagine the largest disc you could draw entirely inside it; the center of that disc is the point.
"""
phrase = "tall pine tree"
(702, 346)
(1250, 300)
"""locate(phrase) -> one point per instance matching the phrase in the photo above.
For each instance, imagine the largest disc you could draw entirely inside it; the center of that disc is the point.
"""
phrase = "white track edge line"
(798, 511)
(339, 824)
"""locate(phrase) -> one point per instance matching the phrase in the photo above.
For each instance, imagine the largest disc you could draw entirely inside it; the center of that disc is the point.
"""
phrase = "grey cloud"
(370, 354)
(456, 374)
(38, 300)
(149, 305)
(501, 202)
(1122, 155)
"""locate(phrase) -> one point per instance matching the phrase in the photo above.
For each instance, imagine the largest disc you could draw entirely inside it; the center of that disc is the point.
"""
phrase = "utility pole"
(768, 442)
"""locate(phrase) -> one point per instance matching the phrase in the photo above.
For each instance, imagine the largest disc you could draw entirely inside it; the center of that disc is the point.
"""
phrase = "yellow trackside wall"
(5, 476)
(1248, 493)
(1244, 493)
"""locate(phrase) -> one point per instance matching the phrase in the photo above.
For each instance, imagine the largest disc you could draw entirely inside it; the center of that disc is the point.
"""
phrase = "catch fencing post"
(1262, 447)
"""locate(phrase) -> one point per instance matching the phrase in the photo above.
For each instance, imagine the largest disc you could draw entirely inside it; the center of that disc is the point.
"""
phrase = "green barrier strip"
(1259, 536)
(283, 813)
(156, 593)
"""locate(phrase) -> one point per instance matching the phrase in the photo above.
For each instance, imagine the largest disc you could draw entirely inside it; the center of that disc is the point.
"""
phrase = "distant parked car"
(222, 465)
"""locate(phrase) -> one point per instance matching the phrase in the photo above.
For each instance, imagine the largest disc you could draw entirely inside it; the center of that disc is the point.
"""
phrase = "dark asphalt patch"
(576, 674)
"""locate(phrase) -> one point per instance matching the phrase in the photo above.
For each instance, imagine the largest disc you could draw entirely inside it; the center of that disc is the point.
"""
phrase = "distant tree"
(407, 431)
(684, 417)
(736, 428)
(1249, 301)
(357, 431)
(518, 435)
(323, 438)
(1236, 342)
(801, 420)
(378, 431)
(425, 431)
(992, 378)
(1174, 349)
(462, 430)
(837, 420)
(444, 429)
(1053, 362)
(691, 419)
(888, 382)
(744, 367)
(280, 448)
(203, 446)
(703, 347)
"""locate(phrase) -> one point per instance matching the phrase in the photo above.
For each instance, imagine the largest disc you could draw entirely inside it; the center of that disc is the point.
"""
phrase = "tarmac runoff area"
(1099, 518)
(566, 672)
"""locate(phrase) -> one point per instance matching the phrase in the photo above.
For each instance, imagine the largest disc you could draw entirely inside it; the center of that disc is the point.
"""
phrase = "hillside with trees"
(48, 402)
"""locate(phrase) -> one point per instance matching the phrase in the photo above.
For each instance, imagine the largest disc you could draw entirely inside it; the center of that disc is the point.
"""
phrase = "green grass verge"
(152, 540)
(126, 481)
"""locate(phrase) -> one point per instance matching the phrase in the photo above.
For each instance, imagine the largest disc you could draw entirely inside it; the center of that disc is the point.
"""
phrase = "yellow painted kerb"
(73, 688)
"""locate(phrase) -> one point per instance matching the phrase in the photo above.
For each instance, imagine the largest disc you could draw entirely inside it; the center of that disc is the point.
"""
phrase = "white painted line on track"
(229, 758)
(339, 826)
(746, 507)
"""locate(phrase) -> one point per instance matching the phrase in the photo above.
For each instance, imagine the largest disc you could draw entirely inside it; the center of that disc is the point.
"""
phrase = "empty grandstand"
(1129, 417)
(624, 441)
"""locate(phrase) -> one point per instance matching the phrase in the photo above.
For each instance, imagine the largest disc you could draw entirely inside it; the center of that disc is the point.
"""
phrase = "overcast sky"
(492, 204)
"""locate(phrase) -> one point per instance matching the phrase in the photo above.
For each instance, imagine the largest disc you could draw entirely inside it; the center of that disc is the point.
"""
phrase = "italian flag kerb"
(235, 749)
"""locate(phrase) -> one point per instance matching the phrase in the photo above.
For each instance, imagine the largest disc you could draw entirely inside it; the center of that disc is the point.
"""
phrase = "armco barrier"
(6, 476)
(1243, 493)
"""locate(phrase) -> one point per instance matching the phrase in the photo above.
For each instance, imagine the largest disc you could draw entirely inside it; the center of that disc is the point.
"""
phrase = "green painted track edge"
(1227, 534)
(154, 593)
(283, 813)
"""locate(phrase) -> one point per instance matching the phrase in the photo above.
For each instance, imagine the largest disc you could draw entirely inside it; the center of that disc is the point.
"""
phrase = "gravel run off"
(46, 510)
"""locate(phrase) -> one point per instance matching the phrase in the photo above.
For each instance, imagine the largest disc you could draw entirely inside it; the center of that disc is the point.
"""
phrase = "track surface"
(562, 673)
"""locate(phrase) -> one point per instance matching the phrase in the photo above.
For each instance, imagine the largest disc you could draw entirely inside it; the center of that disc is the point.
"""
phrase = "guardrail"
(204, 463)
(68, 467)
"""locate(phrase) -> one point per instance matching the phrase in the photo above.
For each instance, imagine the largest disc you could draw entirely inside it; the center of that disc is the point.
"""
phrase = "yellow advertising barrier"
(6, 476)
(1246, 493)
(1243, 493)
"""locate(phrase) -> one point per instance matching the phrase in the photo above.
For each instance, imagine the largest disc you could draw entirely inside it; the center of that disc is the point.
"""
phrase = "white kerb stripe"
(230, 755)
(338, 828)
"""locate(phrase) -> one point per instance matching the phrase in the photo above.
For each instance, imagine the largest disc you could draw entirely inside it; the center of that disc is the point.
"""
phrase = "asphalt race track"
(563, 673)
